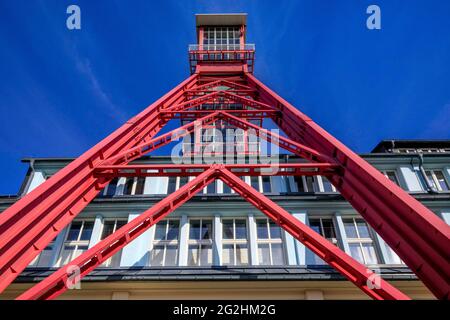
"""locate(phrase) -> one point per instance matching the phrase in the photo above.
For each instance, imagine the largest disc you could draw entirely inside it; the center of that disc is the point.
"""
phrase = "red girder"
(287, 144)
(215, 94)
(185, 170)
(141, 149)
(55, 284)
(29, 225)
(247, 114)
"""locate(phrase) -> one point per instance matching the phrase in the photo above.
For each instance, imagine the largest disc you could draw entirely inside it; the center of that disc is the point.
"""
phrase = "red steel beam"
(56, 283)
(187, 170)
(248, 114)
(355, 272)
(417, 235)
(141, 149)
(30, 224)
(286, 143)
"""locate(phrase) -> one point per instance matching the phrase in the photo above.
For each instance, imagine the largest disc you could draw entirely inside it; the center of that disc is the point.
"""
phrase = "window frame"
(270, 241)
(371, 240)
(435, 181)
(107, 263)
(75, 243)
(234, 242)
(200, 242)
(166, 243)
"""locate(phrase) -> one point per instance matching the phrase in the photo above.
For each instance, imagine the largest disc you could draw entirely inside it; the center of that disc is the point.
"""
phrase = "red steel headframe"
(418, 236)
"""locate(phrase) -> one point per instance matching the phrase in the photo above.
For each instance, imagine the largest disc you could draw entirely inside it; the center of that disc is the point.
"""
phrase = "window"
(235, 242)
(200, 242)
(165, 243)
(325, 227)
(305, 184)
(134, 186)
(109, 227)
(77, 241)
(437, 180)
(221, 38)
(270, 243)
(391, 175)
(360, 241)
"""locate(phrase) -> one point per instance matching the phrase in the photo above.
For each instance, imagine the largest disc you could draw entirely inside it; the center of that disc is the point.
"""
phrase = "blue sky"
(62, 91)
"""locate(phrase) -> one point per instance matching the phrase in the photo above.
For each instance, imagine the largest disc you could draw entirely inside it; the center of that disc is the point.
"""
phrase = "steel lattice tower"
(222, 75)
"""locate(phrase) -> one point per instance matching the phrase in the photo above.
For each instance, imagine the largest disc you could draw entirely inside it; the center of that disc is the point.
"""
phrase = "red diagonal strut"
(56, 284)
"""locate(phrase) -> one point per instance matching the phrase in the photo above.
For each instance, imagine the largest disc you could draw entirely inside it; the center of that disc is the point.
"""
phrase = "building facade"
(217, 246)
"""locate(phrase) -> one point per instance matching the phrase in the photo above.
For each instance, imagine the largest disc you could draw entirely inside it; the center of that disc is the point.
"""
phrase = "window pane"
(160, 231)
(128, 187)
(171, 256)
(171, 185)
(363, 229)
(298, 182)
(328, 228)
(193, 255)
(206, 255)
(194, 230)
(430, 179)
(255, 182)
(315, 225)
(264, 254)
(369, 253)
(66, 255)
(211, 188)
(277, 254)
(140, 185)
(74, 231)
(261, 227)
(183, 181)
(227, 229)
(87, 231)
(228, 254)
(206, 229)
(79, 251)
(226, 188)
(241, 254)
(241, 229)
(266, 184)
(350, 229)
(441, 179)
(172, 233)
(108, 228)
(392, 176)
(111, 188)
(45, 257)
(327, 186)
(275, 230)
(157, 256)
(355, 252)
(310, 184)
